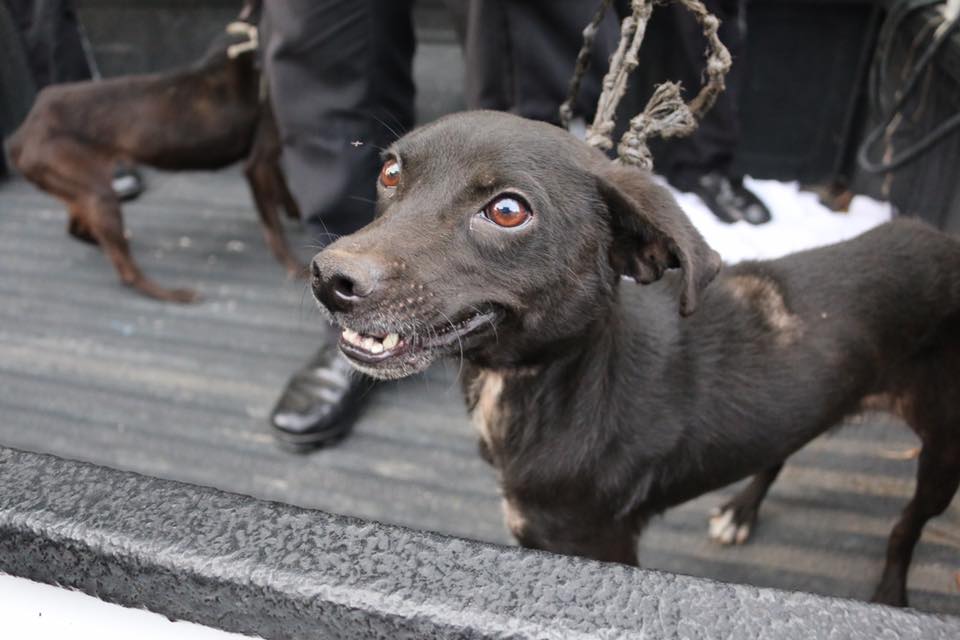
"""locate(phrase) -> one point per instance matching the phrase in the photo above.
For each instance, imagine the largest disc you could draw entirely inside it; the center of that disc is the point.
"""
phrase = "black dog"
(205, 117)
(505, 240)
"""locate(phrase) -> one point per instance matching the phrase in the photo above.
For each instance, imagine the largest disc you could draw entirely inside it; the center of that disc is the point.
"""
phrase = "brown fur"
(206, 117)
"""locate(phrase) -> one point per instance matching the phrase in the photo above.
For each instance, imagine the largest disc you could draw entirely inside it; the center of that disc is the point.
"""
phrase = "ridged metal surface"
(91, 371)
(273, 570)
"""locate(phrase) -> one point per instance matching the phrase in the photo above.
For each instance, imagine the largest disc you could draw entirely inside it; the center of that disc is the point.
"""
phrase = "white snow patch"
(799, 222)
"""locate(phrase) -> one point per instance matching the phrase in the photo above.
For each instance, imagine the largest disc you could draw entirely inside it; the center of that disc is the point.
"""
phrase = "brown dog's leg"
(938, 476)
(269, 191)
(79, 230)
(80, 176)
(106, 224)
(733, 522)
(572, 534)
(289, 203)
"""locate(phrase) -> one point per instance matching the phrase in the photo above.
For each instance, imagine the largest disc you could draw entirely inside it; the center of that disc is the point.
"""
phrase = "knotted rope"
(240, 28)
(665, 114)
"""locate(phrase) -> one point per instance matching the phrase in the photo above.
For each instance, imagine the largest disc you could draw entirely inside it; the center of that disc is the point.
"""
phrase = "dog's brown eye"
(508, 211)
(390, 174)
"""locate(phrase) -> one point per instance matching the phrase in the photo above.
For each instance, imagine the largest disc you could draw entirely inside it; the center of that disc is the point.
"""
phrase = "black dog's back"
(860, 318)
(598, 403)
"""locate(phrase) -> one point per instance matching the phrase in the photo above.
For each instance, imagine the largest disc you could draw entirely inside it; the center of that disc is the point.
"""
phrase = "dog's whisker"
(386, 126)
(362, 199)
(453, 328)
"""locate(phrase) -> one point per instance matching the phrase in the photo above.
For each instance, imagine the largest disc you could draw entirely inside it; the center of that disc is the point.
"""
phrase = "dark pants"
(51, 37)
(520, 56)
(675, 47)
(340, 80)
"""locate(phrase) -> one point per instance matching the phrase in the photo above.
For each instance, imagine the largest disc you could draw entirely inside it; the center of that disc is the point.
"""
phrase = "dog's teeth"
(377, 347)
(369, 344)
(391, 341)
(350, 335)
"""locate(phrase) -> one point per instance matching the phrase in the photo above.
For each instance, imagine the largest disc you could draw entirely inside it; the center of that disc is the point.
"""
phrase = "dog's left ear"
(651, 234)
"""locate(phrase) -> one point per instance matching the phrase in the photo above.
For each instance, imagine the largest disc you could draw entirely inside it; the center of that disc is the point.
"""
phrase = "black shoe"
(728, 199)
(320, 402)
(127, 183)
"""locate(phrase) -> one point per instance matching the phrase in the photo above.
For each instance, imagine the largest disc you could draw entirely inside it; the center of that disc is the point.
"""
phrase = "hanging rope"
(582, 64)
(665, 114)
(241, 28)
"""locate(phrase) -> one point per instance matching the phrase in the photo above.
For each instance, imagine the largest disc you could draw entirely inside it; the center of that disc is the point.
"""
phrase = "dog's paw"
(890, 593)
(729, 526)
(183, 296)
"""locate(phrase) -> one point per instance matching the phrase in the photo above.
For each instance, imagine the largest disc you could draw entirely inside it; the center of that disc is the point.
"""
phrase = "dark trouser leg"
(51, 36)
(340, 74)
(340, 82)
(702, 162)
(520, 55)
(674, 50)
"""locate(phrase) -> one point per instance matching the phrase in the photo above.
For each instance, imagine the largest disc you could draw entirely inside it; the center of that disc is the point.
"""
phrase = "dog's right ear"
(651, 234)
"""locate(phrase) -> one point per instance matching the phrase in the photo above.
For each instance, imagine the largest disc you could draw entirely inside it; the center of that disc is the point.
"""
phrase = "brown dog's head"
(500, 239)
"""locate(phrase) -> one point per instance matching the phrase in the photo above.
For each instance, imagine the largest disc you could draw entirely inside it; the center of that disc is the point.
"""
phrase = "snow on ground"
(44, 612)
(799, 222)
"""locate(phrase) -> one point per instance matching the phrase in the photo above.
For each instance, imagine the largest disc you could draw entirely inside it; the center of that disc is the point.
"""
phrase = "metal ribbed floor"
(89, 370)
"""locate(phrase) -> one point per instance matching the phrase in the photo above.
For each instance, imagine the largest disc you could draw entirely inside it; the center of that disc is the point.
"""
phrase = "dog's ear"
(652, 234)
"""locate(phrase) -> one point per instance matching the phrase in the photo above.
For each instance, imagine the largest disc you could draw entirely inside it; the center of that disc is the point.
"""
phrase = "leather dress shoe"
(320, 402)
(127, 183)
(727, 198)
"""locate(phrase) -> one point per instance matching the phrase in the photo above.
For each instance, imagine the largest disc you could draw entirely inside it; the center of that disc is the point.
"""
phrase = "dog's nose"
(339, 284)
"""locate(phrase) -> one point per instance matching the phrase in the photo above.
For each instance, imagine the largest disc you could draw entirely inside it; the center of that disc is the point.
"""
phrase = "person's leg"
(339, 73)
(340, 80)
(702, 162)
(520, 54)
(51, 36)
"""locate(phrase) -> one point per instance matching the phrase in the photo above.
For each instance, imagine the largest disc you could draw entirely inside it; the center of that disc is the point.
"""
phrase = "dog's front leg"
(733, 522)
(572, 533)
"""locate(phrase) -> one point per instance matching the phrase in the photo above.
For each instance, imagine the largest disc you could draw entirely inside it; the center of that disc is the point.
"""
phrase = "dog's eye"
(390, 174)
(507, 211)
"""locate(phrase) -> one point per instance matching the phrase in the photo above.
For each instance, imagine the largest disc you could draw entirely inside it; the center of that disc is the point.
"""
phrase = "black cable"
(878, 81)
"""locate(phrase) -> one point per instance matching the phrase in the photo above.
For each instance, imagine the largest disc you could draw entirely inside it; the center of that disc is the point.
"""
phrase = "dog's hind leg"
(928, 402)
(106, 225)
(77, 228)
(289, 202)
(265, 197)
(733, 522)
(573, 534)
(80, 176)
(938, 476)
(269, 191)
(266, 145)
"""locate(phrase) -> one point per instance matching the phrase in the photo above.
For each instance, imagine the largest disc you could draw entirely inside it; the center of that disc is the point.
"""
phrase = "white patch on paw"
(725, 530)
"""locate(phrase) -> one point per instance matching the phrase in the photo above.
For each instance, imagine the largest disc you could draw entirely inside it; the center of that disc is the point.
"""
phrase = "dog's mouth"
(392, 354)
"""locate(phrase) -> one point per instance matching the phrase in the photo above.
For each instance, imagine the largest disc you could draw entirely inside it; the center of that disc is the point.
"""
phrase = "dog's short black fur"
(205, 117)
(599, 404)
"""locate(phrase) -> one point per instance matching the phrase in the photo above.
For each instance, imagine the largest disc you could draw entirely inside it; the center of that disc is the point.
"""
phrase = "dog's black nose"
(340, 283)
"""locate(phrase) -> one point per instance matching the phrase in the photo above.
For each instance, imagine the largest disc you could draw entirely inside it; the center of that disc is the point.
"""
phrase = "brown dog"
(205, 117)
(503, 242)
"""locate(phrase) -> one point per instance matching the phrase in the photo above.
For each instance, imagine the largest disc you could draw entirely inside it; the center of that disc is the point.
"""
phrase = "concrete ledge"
(265, 568)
